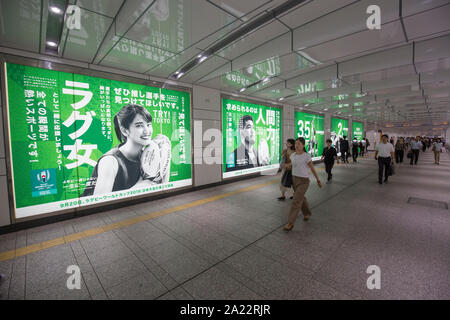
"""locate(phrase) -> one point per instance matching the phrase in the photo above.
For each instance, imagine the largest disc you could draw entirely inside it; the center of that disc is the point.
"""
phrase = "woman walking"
(286, 156)
(300, 165)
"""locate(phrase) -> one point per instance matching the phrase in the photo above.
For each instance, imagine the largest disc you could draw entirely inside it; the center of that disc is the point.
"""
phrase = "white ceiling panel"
(358, 43)
(184, 24)
(82, 44)
(390, 82)
(418, 26)
(430, 77)
(326, 73)
(252, 40)
(376, 61)
(411, 7)
(432, 49)
(341, 23)
(380, 74)
(129, 14)
(243, 9)
(312, 10)
(173, 64)
(274, 48)
(20, 24)
(203, 69)
(105, 7)
(217, 73)
(433, 65)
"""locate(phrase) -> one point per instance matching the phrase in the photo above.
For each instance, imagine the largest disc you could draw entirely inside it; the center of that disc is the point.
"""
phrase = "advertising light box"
(311, 127)
(251, 138)
(357, 130)
(77, 140)
(339, 128)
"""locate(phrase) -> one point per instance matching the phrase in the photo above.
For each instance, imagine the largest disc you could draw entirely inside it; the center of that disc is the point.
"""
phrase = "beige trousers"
(300, 186)
(437, 156)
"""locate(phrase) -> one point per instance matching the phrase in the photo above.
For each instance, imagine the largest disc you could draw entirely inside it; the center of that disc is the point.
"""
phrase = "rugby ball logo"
(155, 160)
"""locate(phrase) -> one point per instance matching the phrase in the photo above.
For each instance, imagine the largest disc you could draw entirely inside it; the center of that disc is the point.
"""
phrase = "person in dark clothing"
(329, 155)
(355, 151)
(362, 147)
(400, 148)
(344, 147)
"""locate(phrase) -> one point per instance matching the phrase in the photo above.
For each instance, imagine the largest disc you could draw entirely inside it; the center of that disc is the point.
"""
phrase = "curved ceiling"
(316, 54)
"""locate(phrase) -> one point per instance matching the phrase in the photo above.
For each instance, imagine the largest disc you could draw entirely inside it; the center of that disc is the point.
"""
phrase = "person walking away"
(286, 156)
(384, 153)
(329, 155)
(415, 149)
(391, 141)
(300, 165)
(367, 145)
(424, 145)
(400, 150)
(437, 149)
(344, 147)
(362, 147)
(355, 151)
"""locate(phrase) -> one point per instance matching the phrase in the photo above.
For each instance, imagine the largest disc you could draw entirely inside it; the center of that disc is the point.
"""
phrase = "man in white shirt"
(416, 145)
(437, 147)
(384, 153)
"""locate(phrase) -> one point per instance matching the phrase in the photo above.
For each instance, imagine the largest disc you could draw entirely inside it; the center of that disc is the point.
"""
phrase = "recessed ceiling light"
(52, 44)
(56, 10)
(202, 58)
(242, 90)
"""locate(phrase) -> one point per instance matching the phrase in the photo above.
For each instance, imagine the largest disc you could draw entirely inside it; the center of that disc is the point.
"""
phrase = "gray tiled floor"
(235, 248)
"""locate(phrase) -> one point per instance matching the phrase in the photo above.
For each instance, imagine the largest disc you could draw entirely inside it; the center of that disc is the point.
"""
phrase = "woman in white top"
(300, 165)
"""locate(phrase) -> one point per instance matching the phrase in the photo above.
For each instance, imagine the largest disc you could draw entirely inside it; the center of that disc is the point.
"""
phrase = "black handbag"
(286, 179)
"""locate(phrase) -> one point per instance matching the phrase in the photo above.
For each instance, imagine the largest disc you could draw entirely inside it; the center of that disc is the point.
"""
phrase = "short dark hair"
(244, 120)
(385, 135)
(329, 140)
(345, 137)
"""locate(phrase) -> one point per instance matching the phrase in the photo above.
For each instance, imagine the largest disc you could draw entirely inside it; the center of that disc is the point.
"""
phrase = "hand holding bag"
(391, 170)
(286, 179)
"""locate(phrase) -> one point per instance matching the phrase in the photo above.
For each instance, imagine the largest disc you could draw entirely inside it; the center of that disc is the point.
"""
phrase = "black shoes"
(281, 198)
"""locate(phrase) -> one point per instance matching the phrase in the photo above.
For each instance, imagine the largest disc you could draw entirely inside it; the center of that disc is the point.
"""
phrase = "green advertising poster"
(78, 140)
(311, 127)
(252, 137)
(357, 130)
(339, 128)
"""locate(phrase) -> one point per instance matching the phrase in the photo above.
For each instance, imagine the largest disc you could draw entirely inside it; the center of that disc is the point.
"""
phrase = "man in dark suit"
(343, 146)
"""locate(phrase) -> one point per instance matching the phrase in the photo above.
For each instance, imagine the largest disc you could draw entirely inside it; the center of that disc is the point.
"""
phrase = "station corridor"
(228, 242)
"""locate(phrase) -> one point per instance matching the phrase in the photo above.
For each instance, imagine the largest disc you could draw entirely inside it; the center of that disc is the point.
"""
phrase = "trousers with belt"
(300, 186)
